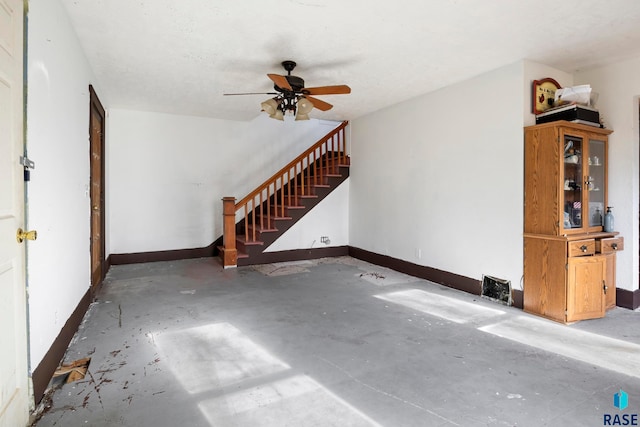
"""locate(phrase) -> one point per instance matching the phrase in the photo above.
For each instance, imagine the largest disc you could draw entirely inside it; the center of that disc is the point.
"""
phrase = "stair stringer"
(255, 253)
(328, 219)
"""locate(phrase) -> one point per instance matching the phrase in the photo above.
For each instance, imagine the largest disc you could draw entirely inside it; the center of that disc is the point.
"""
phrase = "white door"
(14, 390)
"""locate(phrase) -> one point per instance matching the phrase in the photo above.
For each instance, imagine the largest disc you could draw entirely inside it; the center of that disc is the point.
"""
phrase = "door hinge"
(28, 165)
(27, 162)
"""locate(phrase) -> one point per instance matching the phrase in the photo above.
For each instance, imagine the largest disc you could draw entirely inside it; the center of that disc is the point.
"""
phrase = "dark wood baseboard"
(302, 254)
(43, 373)
(171, 255)
(451, 280)
(625, 298)
(518, 298)
(628, 299)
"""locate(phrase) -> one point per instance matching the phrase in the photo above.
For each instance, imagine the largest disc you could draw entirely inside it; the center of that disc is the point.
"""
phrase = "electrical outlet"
(325, 240)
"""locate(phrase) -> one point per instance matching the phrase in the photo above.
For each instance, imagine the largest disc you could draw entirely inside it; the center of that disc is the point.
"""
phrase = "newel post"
(229, 251)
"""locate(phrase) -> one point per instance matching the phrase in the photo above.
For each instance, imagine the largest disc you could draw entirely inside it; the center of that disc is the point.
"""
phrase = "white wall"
(168, 173)
(618, 86)
(438, 180)
(453, 197)
(58, 194)
(328, 218)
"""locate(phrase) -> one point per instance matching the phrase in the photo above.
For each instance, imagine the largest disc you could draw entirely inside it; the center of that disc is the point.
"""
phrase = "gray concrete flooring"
(334, 342)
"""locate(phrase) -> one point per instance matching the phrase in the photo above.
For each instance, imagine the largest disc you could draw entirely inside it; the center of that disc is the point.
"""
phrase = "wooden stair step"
(239, 254)
(274, 218)
(242, 239)
(243, 245)
(260, 228)
(270, 221)
(310, 189)
(276, 212)
(289, 206)
(281, 218)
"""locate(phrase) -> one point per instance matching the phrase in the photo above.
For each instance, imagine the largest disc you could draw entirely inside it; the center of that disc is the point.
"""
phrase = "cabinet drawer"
(582, 247)
(613, 244)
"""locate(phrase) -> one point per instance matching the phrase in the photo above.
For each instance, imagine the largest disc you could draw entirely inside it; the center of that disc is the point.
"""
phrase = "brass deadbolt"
(22, 235)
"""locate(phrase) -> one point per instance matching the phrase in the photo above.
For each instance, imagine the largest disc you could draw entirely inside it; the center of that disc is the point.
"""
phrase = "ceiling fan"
(292, 96)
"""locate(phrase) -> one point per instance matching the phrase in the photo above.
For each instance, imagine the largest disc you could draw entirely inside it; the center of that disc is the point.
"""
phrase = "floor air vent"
(497, 289)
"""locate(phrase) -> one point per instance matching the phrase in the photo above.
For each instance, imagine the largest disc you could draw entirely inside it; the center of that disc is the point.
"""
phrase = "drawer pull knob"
(604, 286)
(583, 248)
(614, 246)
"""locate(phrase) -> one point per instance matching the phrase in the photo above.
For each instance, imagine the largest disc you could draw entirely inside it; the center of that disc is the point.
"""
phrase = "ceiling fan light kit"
(278, 115)
(300, 116)
(304, 107)
(292, 96)
(270, 106)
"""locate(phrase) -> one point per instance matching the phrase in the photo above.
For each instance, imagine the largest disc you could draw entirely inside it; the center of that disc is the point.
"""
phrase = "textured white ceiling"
(180, 56)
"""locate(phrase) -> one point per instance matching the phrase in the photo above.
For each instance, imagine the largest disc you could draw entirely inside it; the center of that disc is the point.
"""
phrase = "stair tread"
(275, 217)
(242, 239)
(262, 229)
(314, 186)
(289, 206)
(239, 254)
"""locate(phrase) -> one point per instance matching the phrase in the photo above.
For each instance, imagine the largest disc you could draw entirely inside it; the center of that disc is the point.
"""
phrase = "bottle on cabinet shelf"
(608, 220)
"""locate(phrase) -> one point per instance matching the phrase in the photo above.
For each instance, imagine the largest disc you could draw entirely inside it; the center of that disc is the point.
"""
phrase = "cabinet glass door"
(596, 182)
(573, 183)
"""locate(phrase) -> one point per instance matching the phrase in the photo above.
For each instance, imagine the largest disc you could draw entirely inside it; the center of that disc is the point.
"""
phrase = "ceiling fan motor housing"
(296, 83)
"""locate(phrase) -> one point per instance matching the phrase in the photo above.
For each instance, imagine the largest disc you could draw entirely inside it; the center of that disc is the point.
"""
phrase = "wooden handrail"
(314, 147)
(302, 171)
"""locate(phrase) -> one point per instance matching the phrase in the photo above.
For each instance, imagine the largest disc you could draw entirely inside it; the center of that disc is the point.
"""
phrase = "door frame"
(16, 396)
(95, 106)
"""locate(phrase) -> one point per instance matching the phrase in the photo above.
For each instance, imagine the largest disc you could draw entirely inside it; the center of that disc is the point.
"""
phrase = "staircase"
(255, 222)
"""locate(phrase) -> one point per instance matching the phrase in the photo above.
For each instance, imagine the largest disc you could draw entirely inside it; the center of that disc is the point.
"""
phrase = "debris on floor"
(284, 268)
(74, 371)
(375, 275)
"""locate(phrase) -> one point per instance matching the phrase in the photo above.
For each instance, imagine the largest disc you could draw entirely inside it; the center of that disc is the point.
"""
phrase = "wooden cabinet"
(565, 178)
(568, 278)
(585, 287)
(569, 261)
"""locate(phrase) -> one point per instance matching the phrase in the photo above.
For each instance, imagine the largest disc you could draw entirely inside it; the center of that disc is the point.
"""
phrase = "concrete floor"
(334, 342)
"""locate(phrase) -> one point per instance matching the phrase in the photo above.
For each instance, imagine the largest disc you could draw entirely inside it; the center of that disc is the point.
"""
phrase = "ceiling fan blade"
(280, 81)
(251, 93)
(320, 105)
(327, 90)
